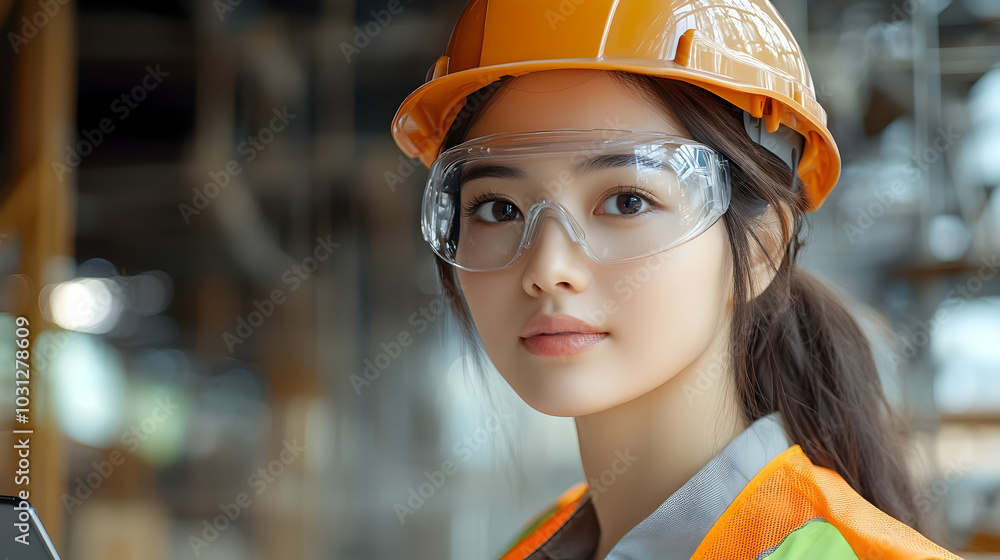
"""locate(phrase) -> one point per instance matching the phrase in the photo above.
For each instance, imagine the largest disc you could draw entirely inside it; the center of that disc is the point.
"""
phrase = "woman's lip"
(561, 344)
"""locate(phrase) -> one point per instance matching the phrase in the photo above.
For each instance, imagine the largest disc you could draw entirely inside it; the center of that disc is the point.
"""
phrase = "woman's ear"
(768, 245)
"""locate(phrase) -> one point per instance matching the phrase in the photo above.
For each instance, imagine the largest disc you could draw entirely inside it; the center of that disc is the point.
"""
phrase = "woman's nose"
(554, 262)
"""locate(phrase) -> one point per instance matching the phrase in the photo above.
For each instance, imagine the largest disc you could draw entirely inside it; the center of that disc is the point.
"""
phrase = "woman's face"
(663, 314)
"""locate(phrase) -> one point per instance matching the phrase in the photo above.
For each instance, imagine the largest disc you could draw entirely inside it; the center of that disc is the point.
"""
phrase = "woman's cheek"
(489, 301)
(673, 316)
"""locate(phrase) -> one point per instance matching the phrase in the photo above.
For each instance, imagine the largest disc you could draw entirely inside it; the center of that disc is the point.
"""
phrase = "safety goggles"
(619, 194)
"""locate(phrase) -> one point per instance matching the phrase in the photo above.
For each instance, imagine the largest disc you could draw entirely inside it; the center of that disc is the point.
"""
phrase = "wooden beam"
(41, 212)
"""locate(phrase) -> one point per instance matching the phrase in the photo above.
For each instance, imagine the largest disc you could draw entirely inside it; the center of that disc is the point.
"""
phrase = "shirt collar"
(698, 504)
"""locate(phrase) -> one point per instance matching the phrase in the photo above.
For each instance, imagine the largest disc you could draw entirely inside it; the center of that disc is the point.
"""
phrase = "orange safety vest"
(790, 509)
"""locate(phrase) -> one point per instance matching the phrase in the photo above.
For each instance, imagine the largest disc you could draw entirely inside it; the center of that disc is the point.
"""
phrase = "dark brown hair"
(795, 348)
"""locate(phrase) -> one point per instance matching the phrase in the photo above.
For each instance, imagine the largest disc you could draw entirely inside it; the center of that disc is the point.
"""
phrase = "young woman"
(726, 404)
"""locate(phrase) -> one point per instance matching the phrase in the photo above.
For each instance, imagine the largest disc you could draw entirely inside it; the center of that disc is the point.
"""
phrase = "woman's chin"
(564, 400)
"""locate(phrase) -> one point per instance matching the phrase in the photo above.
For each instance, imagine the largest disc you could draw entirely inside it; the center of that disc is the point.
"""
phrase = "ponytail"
(811, 361)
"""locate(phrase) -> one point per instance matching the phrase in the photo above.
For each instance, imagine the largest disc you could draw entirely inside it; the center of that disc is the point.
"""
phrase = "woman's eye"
(625, 204)
(498, 211)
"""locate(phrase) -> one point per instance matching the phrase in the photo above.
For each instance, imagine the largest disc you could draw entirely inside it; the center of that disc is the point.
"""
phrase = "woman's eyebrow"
(499, 171)
(596, 163)
(610, 161)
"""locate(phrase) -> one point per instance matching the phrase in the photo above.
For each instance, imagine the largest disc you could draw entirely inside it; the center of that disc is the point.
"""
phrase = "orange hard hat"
(741, 50)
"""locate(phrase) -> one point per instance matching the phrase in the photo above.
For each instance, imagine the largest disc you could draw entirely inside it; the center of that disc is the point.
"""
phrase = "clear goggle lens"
(620, 194)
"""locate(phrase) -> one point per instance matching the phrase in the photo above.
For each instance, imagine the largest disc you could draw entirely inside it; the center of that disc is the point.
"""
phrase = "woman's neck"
(637, 454)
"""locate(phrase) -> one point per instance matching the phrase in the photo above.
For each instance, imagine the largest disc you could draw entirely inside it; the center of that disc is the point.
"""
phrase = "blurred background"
(237, 351)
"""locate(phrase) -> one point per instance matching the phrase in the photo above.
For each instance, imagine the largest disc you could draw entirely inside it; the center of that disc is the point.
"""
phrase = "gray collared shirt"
(679, 524)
